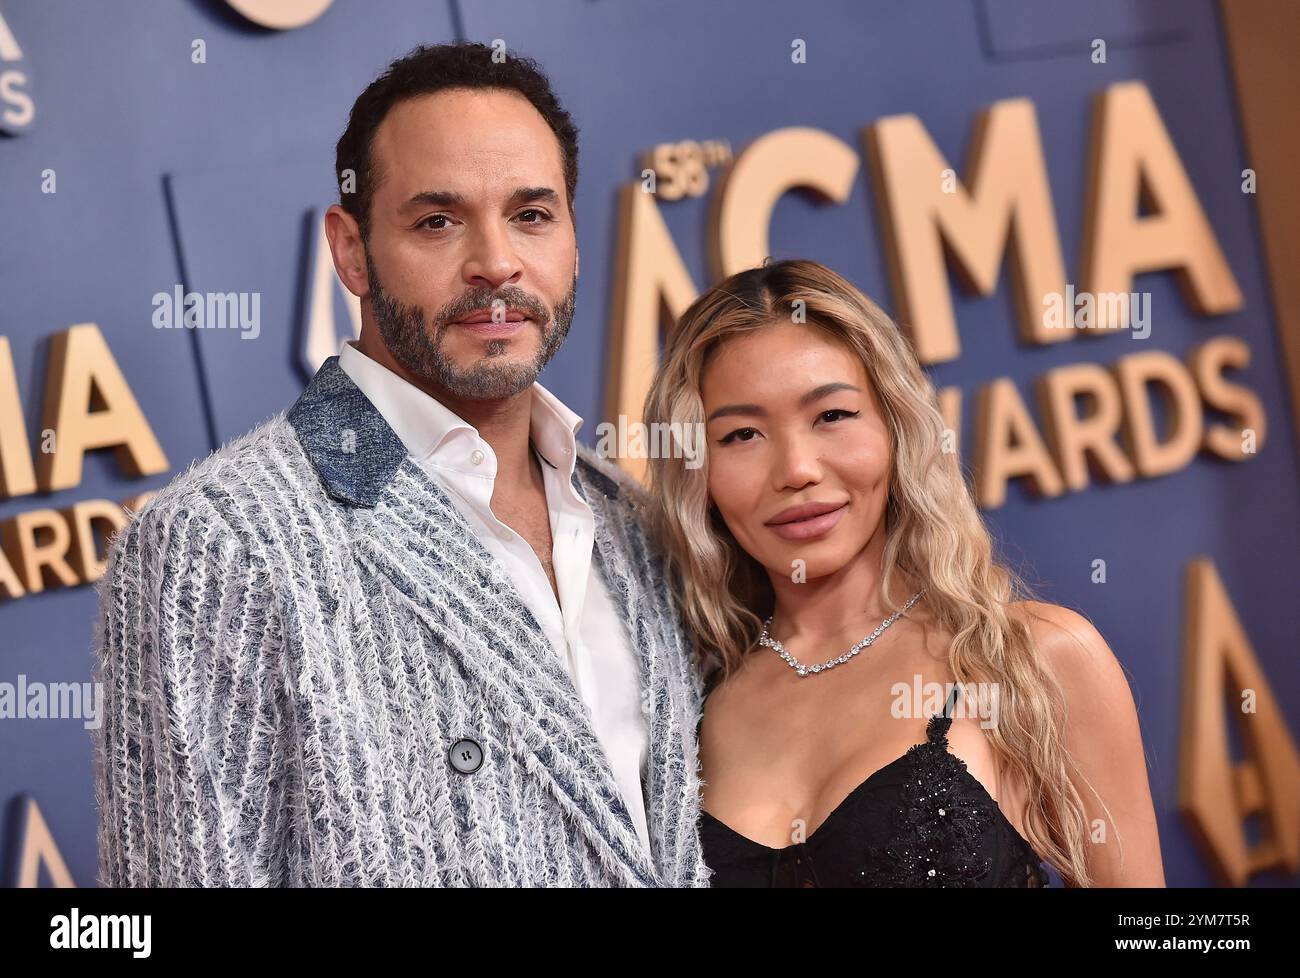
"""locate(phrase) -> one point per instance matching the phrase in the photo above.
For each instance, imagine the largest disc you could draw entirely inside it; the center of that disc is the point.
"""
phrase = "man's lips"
(486, 316)
(486, 327)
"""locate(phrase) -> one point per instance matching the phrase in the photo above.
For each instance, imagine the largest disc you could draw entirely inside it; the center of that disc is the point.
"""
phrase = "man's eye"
(542, 216)
(434, 217)
(735, 436)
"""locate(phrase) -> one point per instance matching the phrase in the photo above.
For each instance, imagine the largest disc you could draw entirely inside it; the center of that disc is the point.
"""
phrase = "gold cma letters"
(88, 405)
(36, 845)
(1008, 209)
(1132, 155)
(651, 290)
(1003, 209)
(803, 158)
(1117, 434)
(1215, 793)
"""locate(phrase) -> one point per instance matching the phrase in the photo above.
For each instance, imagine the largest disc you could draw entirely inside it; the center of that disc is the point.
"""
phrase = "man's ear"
(348, 250)
(577, 260)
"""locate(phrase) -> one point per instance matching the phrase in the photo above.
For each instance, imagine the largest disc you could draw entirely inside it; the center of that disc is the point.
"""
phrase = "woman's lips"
(814, 526)
(493, 330)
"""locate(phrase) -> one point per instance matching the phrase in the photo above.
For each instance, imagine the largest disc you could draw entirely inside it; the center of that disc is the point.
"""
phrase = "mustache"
(510, 297)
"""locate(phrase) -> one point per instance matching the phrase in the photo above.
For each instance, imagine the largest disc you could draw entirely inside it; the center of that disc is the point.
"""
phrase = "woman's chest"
(776, 766)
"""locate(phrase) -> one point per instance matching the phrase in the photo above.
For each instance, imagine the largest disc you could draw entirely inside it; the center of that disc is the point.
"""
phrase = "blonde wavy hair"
(935, 534)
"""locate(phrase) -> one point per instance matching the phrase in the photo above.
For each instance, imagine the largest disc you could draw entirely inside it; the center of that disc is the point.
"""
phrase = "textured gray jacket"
(296, 632)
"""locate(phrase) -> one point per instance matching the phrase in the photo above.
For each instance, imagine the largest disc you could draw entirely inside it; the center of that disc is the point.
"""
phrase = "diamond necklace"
(804, 670)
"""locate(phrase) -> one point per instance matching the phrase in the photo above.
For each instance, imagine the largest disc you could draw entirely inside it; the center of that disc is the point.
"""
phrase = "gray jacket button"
(466, 756)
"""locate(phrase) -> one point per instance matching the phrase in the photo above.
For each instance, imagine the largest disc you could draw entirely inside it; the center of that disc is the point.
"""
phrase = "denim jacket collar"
(356, 452)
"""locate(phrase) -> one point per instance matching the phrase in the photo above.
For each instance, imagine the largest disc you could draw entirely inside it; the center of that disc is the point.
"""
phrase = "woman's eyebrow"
(816, 394)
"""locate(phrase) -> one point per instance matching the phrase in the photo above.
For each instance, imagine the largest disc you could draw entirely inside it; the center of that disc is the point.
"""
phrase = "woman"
(829, 558)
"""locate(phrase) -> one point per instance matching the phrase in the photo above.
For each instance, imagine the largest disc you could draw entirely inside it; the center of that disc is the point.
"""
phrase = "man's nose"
(492, 260)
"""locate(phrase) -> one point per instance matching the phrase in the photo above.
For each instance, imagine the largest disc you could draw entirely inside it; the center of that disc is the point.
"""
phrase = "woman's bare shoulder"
(1092, 679)
(1103, 737)
(1064, 637)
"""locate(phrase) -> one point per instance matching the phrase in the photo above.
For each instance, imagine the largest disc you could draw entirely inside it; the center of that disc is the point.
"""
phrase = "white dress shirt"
(583, 627)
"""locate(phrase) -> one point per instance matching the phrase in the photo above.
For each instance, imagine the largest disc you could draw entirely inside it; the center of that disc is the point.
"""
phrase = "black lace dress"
(922, 820)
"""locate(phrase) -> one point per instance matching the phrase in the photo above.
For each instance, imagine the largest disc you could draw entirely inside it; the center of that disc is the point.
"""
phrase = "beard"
(415, 338)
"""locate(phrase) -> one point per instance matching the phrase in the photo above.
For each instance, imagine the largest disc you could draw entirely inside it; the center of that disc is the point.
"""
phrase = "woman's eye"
(735, 436)
(836, 413)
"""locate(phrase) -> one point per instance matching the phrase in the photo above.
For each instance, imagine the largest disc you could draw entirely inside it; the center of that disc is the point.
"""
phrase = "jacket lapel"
(421, 547)
(666, 694)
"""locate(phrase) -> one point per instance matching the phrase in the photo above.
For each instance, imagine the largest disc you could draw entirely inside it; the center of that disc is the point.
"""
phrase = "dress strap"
(952, 700)
(937, 729)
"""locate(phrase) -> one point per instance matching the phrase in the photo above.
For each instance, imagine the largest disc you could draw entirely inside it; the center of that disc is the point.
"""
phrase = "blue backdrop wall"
(209, 175)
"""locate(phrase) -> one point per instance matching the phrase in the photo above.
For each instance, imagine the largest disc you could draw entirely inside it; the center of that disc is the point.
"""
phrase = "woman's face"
(795, 430)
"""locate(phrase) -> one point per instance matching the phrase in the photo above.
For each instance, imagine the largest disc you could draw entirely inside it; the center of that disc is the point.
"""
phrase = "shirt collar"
(356, 453)
(423, 423)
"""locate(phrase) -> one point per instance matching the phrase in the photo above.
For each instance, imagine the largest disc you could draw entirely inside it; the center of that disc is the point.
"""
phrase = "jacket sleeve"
(190, 764)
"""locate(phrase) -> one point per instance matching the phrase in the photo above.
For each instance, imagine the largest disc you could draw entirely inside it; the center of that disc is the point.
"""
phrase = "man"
(409, 632)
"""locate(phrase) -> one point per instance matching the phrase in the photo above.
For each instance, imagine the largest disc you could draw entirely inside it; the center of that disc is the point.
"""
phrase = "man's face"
(471, 255)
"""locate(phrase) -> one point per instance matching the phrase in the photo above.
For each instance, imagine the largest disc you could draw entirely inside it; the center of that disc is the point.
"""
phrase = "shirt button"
(476, 457)
(466, 756)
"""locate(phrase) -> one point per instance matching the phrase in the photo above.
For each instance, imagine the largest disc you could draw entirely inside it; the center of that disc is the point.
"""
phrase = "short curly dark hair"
(433, 68)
